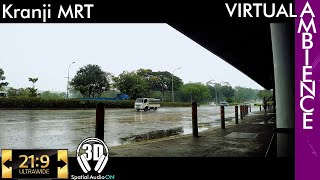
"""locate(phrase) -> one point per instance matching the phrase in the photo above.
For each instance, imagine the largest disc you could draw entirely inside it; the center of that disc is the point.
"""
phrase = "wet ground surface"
(67, 128)
(249, 138)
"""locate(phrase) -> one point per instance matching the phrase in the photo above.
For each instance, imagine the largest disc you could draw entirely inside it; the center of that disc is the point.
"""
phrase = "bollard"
(223, 125)
(236, 114)
(100, 121)
(194, 119)
(265, 111)
(250, 108)
(241, 112)
(260, 107)
(247, 109)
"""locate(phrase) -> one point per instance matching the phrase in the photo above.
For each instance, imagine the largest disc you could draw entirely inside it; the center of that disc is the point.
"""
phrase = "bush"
(40, 103)
(43, 103)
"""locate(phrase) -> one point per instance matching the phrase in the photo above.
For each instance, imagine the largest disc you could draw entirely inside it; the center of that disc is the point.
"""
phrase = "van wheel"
(146, 108)
(155, 108)
(138, 110)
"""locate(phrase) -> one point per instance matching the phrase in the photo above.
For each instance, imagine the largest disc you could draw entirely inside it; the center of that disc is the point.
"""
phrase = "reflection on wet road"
(67, 128)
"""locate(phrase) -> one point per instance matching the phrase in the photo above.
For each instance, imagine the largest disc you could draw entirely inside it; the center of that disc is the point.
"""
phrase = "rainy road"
(57, 129)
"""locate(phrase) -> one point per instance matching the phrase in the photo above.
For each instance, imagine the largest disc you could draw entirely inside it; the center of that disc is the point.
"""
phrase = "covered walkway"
(249, 138)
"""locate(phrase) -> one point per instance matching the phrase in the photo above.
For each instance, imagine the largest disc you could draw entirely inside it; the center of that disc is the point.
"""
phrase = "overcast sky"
(46, 50)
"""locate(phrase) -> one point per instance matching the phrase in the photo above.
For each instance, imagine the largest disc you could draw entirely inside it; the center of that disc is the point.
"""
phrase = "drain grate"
(242, 135)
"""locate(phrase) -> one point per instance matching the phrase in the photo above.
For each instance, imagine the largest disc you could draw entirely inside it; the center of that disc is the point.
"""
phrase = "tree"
(132, 84)
(242, 94)
(33, 90)
(2, 78)
(160, 80)
(212, 91)
(91, 81)
(74, 93)
(53, 95)
(227, 91)
(215, 91)
(21, 92)
(110, 94)
(264, 94)
(196, 92)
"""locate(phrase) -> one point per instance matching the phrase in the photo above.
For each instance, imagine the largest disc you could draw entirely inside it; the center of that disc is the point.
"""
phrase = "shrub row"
(40, 103)
(59, 103)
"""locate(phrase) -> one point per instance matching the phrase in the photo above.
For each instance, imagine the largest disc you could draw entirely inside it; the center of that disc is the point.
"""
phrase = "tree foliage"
(21, 92)
(91, 81)
(132, 84)
(2, 78)
(195, 92)
(264, 94)
(53, 95)
(227, 91)
(160, 81)
(33, 81)
(243, 94)
(33, 90)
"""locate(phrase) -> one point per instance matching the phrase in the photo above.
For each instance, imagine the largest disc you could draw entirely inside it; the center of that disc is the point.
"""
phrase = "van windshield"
(139, 100)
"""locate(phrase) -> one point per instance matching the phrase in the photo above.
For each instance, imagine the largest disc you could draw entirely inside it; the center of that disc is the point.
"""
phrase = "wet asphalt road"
(58, 129)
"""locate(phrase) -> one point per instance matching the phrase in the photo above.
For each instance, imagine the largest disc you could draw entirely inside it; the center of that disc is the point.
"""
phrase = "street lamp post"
(68, 79)
(172, 83)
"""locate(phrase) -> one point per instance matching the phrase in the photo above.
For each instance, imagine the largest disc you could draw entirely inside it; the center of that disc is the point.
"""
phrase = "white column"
(282, 36)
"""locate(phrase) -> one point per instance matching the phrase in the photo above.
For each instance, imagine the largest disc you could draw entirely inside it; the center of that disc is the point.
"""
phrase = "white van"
(146, 104)
(224, 103)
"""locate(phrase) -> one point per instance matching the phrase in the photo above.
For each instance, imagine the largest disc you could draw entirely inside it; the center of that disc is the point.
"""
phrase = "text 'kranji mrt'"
(71, 11)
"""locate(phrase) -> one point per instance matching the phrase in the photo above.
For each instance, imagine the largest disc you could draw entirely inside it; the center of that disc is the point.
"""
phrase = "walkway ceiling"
(247, 47)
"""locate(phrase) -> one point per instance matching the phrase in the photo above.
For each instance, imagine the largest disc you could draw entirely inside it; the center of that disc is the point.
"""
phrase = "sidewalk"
(249, 138)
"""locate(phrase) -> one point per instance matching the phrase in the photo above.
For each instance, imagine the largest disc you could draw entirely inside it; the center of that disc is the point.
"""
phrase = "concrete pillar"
(274, 100)
(282, 35)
